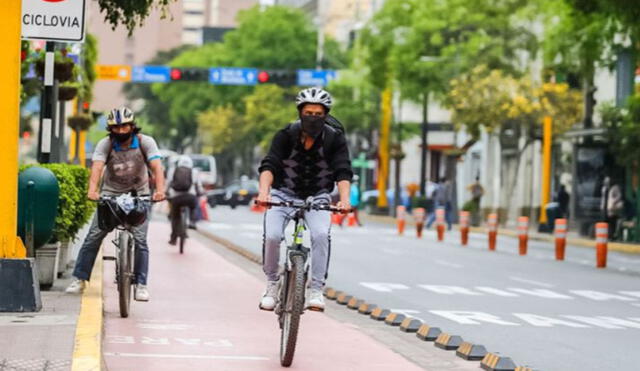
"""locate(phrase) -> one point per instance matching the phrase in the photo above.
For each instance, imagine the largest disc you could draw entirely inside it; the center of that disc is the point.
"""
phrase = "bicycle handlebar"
(305, 205)
(110, 198)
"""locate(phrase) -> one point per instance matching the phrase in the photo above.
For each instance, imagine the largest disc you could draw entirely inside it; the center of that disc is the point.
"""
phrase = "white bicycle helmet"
(120, 116)
(314, 96)
(185, 161)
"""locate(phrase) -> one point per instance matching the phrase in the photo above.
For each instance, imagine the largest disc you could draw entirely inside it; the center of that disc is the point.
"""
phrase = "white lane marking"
(159, 326)
(472, 318)
(524, 280)
(384, 286)
(449, 290)
(606, 322)
(448, 264)
(492, 290)
(543, 293)
(188, 356)
(391, 251)
(600, 296)
(408, 312)
(543, 321)
(119, 339)
(622, 269)
(252, 235)
(631, 293)
(636, 304)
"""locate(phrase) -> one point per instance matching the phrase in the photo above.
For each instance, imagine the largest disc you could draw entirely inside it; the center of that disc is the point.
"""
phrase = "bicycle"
(293, 278)
(184, 219)
(124, 258)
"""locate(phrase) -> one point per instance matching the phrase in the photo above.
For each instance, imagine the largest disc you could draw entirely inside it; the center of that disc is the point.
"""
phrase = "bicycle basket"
(107, 215)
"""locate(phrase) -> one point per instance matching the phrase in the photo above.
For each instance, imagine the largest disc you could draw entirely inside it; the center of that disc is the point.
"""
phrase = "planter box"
(63, 258)
(47, 263)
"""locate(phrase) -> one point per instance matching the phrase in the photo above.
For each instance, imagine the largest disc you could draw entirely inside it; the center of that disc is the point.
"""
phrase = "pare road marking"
(160, 326)
(147, 340)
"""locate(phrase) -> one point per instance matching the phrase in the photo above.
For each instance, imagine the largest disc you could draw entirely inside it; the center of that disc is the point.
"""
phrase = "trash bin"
(553, 213)
(38, 193)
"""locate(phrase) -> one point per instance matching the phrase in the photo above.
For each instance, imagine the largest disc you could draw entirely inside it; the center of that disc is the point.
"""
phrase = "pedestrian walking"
(442, 197)
(477, 191)
(611, 205)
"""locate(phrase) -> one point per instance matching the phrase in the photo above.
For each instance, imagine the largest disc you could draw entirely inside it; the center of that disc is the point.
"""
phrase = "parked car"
(206, 165)
(240, 192)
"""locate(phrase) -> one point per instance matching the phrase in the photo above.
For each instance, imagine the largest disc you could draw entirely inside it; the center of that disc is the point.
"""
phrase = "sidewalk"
(573, 238)
(42, 340)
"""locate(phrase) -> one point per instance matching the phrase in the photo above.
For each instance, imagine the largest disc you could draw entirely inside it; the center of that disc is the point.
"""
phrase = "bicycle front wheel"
(125, 249)
(292, 310)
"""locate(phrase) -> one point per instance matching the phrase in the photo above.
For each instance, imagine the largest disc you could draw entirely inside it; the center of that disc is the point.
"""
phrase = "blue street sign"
(233, 76)
(315, 77)
(150, 74)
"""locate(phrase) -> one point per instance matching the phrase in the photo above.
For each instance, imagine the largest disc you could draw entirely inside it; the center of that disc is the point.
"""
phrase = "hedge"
(74, 209)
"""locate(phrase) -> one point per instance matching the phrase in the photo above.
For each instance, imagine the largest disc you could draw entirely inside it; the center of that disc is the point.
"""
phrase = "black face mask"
(121, 138)
(312, 125)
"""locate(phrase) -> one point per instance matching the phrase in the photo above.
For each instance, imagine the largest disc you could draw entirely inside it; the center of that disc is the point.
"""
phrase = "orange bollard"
(492, 224)
(351, 220)
(204, 209)
(464, 227)
(418, 215)
(336, 218)
(401, 212)
(440, 213)
(560, 230)
(602, 233)
(523, 234)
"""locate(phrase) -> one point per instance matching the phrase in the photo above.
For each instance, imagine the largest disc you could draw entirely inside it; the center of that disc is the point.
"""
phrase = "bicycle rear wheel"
(184, 218)
(124, 272)
(292, 310)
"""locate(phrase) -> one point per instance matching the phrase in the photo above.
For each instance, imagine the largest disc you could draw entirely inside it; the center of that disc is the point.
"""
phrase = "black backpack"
(181, 180)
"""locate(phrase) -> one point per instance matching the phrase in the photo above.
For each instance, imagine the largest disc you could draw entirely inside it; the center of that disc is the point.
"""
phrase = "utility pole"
(47, 132)
(424, 149)
(10, 245)
(320, 21)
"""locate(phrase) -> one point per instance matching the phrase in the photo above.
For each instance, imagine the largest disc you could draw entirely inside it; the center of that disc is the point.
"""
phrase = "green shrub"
(419, 201)
(74, 209)
(470, 206)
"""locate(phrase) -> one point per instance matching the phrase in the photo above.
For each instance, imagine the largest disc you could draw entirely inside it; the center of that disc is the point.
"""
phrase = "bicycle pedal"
(109, 258)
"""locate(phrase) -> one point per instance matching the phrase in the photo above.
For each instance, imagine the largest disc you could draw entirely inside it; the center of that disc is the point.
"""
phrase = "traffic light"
(278, 77)
(189, 74)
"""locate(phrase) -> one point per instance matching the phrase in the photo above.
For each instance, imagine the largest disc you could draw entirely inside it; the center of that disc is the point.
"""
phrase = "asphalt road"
(542, 313)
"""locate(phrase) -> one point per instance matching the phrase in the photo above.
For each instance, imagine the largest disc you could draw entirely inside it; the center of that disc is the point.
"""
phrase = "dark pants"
(91, 245)
(177, 202)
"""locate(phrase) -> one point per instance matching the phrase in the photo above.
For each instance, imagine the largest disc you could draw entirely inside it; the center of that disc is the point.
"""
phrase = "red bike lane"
(203, 315)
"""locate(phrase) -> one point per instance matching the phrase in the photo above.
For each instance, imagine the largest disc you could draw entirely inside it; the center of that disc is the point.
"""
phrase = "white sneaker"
(141, 293)
(316, 300)
(268, 301)
(76, 287)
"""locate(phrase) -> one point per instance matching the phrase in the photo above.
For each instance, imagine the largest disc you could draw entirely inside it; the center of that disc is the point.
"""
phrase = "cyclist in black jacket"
(306, 158)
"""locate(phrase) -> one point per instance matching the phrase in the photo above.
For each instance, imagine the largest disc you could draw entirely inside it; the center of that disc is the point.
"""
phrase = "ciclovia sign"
(55, 20)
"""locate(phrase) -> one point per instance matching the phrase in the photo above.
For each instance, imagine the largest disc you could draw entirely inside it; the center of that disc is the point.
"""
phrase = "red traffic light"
(85, 106)
(263, 76)
(176, 74)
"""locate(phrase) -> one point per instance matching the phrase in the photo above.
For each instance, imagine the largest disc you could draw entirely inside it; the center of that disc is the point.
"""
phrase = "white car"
(206, 165)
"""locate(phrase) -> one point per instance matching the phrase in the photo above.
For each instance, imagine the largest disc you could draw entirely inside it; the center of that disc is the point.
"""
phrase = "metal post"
(546, 168)
(47, 114)
(62, 147)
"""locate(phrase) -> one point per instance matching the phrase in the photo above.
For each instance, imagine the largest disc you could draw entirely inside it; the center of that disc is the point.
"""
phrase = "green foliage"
(471, 206)
(272, 37)
(130, 13)
(87, 74)
(453, 35)
(623, 126)
(74, 209)
(355, 102)
(489, 99)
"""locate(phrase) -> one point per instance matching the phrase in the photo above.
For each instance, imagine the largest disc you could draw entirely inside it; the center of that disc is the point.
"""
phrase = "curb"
(87, 349)
(423, 331)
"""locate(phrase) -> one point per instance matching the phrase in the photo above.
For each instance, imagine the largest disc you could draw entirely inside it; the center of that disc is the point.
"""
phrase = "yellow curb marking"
(87, 351)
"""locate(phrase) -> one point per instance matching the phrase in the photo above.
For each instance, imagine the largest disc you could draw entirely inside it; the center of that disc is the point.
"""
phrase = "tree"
(131, 13)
